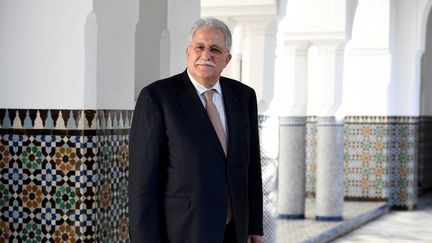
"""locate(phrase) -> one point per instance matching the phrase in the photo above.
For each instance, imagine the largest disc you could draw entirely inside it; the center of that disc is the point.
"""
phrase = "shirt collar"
(201, 89)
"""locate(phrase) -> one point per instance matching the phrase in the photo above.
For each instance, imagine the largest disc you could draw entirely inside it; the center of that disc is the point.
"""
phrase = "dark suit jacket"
(179, 177)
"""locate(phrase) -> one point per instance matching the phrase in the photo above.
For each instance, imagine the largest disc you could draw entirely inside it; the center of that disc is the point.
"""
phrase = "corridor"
(397, 226)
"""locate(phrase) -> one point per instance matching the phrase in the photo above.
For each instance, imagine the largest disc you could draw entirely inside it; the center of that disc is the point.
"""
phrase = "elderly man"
(195, 172)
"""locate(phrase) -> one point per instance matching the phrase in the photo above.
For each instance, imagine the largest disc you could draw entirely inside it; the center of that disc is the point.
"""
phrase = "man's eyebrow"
(202, 44)
(214, 45)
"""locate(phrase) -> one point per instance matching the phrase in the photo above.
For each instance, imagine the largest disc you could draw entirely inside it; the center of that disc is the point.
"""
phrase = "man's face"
(207, 55)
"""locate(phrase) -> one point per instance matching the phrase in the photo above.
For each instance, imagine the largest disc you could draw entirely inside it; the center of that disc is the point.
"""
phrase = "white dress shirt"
(217, 99)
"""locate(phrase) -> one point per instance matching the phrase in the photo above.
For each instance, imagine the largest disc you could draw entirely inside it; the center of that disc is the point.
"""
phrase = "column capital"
(257, 24)
(330, 44)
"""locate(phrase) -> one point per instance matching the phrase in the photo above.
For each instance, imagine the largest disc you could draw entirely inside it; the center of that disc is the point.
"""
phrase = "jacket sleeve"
(145, 146)
(255, 181)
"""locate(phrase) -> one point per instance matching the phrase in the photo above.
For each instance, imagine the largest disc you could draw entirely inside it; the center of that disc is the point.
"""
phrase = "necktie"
(217, 124)
(215, 118)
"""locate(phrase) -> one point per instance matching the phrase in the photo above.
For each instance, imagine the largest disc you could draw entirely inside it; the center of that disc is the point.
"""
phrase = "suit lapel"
(231, 109)
(191, 103)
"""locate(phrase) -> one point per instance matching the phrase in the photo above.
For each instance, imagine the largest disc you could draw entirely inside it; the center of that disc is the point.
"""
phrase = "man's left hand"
(255, 239)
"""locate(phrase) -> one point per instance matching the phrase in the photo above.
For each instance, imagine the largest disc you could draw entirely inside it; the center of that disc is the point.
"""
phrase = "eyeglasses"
(214, 50)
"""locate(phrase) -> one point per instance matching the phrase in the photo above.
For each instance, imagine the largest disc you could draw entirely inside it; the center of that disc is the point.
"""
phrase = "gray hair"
(212, 23)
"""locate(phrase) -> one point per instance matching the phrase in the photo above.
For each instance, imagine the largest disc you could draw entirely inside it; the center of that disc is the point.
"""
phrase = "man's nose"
(206, 54)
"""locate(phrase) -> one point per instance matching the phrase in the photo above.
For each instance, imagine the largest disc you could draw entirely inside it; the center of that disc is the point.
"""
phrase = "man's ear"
(228, 59)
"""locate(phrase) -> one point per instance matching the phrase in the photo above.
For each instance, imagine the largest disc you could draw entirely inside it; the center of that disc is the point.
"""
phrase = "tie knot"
(208, 95)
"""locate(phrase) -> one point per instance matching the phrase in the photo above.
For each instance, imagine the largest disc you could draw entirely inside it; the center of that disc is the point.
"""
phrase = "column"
(290, 95)
(330, 131)
(259, 42)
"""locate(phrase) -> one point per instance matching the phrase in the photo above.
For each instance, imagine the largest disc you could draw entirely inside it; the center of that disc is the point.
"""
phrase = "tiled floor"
(309, 230)
(397, 226)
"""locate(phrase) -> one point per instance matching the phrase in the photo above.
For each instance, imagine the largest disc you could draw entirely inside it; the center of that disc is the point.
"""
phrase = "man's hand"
(255, 239)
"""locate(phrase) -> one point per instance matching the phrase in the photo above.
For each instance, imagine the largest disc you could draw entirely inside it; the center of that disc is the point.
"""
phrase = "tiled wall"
(63, 175)
(380, 158)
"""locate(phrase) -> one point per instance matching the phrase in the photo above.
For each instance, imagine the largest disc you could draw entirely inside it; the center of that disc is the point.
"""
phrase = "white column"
(259, 42)
(330, 78)
(291, 79)
(327, 25)
(233, 69)
(329, 172)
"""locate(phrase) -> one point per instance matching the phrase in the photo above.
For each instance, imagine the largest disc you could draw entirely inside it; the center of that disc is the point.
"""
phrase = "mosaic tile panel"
(113, 223)
(380, 155)
(311, 155)
(64, 173)
(43, 187)
(381, 159)
(63, 182)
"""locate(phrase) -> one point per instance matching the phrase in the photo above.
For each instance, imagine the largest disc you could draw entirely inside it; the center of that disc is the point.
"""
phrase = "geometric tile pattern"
(113, 223)
(63, 173)
(311, 155)
(268, 129)
(45, 189)
(60, 182)
(380, 159)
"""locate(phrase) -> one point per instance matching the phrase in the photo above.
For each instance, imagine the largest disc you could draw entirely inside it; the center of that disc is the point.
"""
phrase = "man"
(195, 172)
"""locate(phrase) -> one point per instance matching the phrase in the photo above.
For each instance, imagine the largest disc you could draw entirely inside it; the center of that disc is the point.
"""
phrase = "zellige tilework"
(63, 175)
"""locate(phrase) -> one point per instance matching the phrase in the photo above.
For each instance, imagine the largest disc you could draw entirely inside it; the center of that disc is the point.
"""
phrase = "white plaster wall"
(367, 67)
(324, 18)
(404, 97)
(42, 53)
(90, 62)
(152, 53)
(116, 24)
(181, 16)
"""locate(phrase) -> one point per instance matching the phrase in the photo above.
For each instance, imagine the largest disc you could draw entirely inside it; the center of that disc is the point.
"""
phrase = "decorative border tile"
(64, 119)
